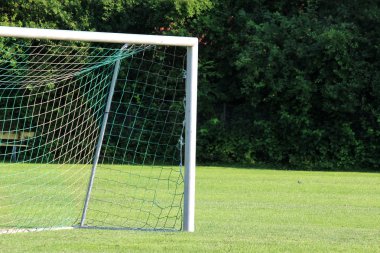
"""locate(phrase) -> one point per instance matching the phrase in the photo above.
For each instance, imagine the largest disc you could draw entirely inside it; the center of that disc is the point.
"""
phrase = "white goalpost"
(97, 130)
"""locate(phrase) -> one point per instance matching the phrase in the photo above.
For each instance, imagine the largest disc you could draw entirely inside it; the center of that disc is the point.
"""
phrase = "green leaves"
(289, 82)
(304, 74)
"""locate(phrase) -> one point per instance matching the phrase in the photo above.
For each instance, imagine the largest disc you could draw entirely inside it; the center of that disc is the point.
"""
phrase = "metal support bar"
(190, 138)
(101, 137)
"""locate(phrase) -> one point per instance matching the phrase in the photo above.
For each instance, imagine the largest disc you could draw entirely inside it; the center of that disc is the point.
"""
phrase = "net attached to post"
(52, 105)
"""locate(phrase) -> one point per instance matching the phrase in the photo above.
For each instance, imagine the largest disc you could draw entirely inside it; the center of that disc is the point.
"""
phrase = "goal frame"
(191, 43)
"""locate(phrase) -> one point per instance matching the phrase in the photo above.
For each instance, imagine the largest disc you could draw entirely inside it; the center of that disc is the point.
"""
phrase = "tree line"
(292, 83)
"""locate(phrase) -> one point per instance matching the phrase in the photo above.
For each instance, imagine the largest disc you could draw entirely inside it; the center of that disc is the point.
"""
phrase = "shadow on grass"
(268, 166)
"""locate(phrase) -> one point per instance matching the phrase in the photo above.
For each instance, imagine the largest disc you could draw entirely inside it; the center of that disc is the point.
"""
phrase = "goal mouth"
(93, 135)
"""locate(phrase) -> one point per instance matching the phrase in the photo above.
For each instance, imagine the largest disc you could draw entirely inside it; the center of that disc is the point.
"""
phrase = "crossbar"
(122, 38)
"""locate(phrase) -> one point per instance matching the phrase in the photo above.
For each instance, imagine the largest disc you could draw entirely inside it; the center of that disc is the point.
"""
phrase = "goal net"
(92, 134)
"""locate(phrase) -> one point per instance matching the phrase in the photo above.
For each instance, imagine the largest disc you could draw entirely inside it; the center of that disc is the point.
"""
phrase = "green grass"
(247, 210)
(52, 195)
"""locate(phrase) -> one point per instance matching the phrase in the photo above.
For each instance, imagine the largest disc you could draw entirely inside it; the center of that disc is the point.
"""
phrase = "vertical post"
(190, 138)
(100, 138)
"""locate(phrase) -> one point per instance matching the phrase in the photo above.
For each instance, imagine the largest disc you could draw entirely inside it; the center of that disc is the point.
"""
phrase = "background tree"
(285, 82)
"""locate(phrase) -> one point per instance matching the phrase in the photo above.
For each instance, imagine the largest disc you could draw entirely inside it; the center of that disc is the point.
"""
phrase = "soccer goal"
(97, 130)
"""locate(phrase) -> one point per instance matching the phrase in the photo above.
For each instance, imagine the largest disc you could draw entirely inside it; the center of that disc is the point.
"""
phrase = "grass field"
(247, 210)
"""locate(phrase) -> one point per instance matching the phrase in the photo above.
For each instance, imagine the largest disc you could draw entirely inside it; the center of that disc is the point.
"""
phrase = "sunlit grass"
(247, 210)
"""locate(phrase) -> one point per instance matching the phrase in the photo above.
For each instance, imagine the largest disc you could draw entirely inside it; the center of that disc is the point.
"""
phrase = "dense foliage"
(285, 82)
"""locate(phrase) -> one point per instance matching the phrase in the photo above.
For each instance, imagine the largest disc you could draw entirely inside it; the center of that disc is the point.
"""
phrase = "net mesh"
(52, 103)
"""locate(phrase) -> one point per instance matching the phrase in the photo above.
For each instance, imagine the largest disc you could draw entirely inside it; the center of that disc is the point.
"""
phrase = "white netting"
(52, 101)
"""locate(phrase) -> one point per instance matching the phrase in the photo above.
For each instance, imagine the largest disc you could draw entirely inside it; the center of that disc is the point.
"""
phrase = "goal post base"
(28, 230)
(31, 230)
(129, 229)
